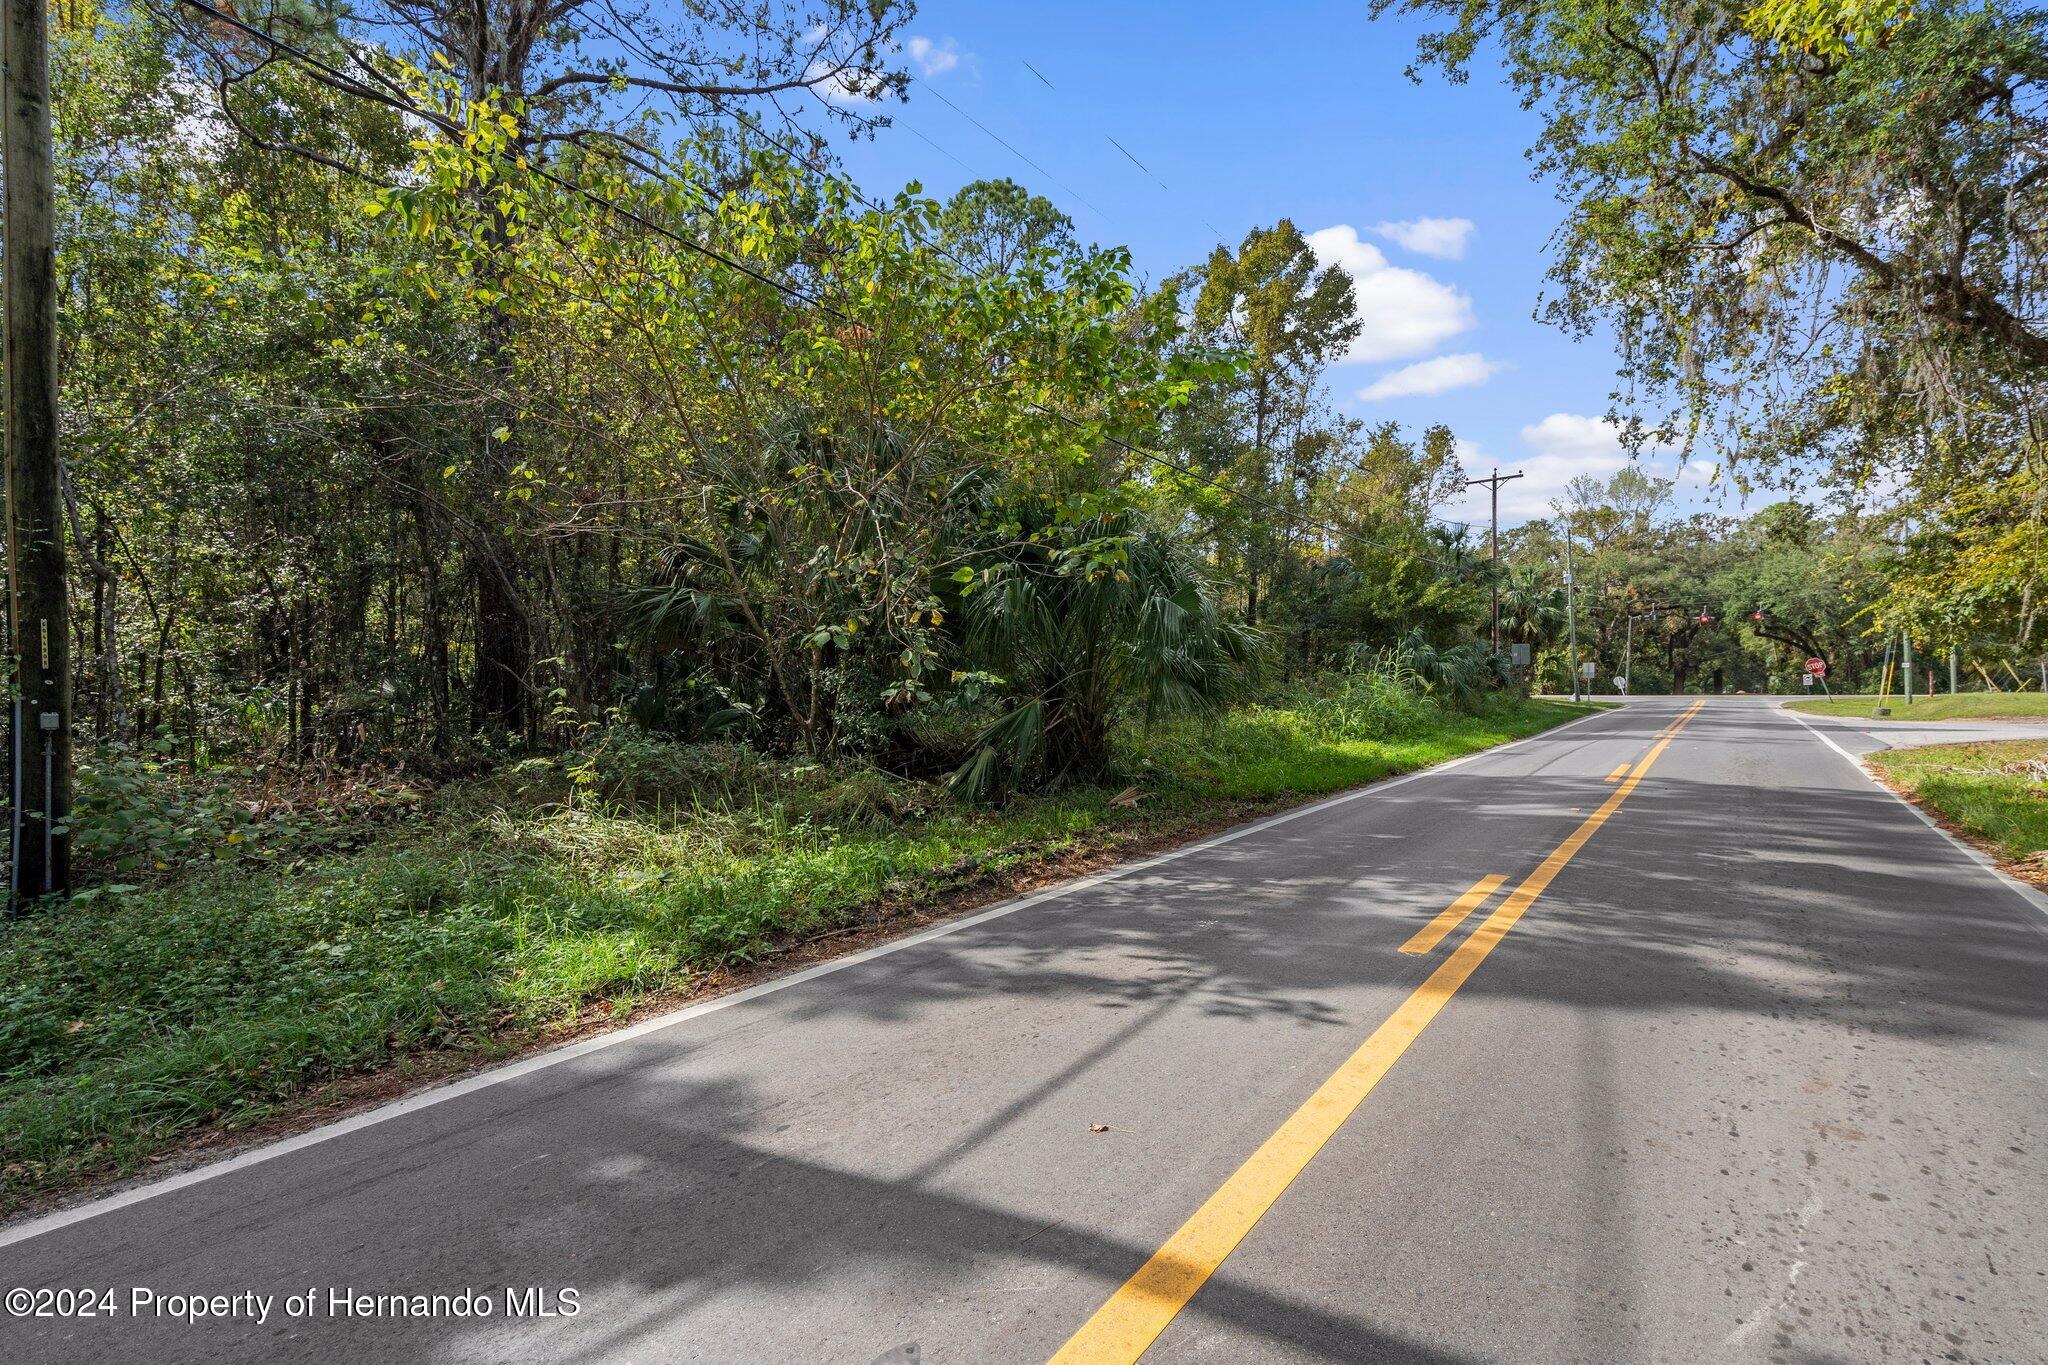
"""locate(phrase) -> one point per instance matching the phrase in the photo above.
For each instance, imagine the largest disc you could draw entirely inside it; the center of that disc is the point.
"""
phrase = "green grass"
(1996, 791)
(514, 906)
(1961, 706)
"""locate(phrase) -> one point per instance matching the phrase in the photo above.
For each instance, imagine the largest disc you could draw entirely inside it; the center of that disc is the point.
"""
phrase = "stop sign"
(1817, 667)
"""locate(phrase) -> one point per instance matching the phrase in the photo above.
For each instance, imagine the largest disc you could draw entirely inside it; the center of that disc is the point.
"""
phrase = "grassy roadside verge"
(1961, 706)
(547, 900)
(1997, 793)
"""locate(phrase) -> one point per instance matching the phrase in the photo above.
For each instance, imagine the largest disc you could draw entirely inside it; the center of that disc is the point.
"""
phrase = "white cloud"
(1566, 446)
(1440, 375)
(1440, 237)
(846, 85)
(1570, 435)
(856, 84)
(934, 59)
(1401, 312)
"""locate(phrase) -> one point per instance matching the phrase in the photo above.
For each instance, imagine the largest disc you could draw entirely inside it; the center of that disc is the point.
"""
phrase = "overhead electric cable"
(350, 85)
(936, 94)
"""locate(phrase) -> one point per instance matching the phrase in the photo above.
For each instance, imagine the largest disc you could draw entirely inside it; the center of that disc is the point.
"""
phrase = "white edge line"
(2032, 895)
(497, 1075)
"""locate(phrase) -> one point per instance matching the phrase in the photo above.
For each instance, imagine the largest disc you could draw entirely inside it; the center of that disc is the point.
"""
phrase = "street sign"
(1806, 681)
(1586, 670)
(1519, 653)
(1817, 668)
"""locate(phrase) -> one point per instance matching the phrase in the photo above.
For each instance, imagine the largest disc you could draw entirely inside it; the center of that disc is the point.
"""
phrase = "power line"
(1129, 156)
(349, 85)
(942, 151)
(1135, 162)
(937, 94)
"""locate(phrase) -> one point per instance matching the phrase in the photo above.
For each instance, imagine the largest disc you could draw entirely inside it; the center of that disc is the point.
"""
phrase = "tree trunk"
(504, 647)
(433, 623)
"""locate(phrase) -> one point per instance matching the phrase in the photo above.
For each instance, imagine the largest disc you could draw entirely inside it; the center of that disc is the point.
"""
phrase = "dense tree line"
(419, 410)
(1719, 603)
(458, 378)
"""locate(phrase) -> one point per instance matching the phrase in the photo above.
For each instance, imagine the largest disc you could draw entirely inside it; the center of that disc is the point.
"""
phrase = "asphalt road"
(1741, 1060)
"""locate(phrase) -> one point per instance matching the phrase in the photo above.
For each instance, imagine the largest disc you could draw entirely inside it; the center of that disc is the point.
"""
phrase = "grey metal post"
(1571, 611)
(1628, 659)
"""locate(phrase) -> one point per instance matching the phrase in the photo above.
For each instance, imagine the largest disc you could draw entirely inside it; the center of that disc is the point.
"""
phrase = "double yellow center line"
(1127, 1325)
(1432, 933)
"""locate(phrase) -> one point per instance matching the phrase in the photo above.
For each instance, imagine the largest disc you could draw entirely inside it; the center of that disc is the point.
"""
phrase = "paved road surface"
(1743, 1061)
(1901, 734)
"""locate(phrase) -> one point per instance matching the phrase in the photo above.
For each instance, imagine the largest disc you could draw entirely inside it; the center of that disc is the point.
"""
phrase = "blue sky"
(1303, 111)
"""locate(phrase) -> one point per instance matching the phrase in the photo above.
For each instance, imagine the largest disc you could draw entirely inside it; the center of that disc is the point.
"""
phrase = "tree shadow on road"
(902, 1151)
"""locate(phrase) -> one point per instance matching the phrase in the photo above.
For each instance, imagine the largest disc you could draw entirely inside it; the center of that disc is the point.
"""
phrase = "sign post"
(1817, 671)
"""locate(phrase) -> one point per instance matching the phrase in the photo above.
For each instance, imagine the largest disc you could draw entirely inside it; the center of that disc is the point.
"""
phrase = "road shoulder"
(2025, 883)
(432, 1078)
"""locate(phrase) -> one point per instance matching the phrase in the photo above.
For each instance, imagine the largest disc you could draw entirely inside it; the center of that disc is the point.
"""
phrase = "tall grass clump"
(1366, 703)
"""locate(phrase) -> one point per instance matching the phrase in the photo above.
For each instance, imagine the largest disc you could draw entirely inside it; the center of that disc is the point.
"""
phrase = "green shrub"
(1366, 703)
(133, 817)
(632, 769)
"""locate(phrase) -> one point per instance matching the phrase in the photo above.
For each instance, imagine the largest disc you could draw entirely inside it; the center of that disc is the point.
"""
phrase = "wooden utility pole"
(38, 606)
(1493, 544)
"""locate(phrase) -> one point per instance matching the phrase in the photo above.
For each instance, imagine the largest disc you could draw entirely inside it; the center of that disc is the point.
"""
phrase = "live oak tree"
(1808, 578)
(1772, 204)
